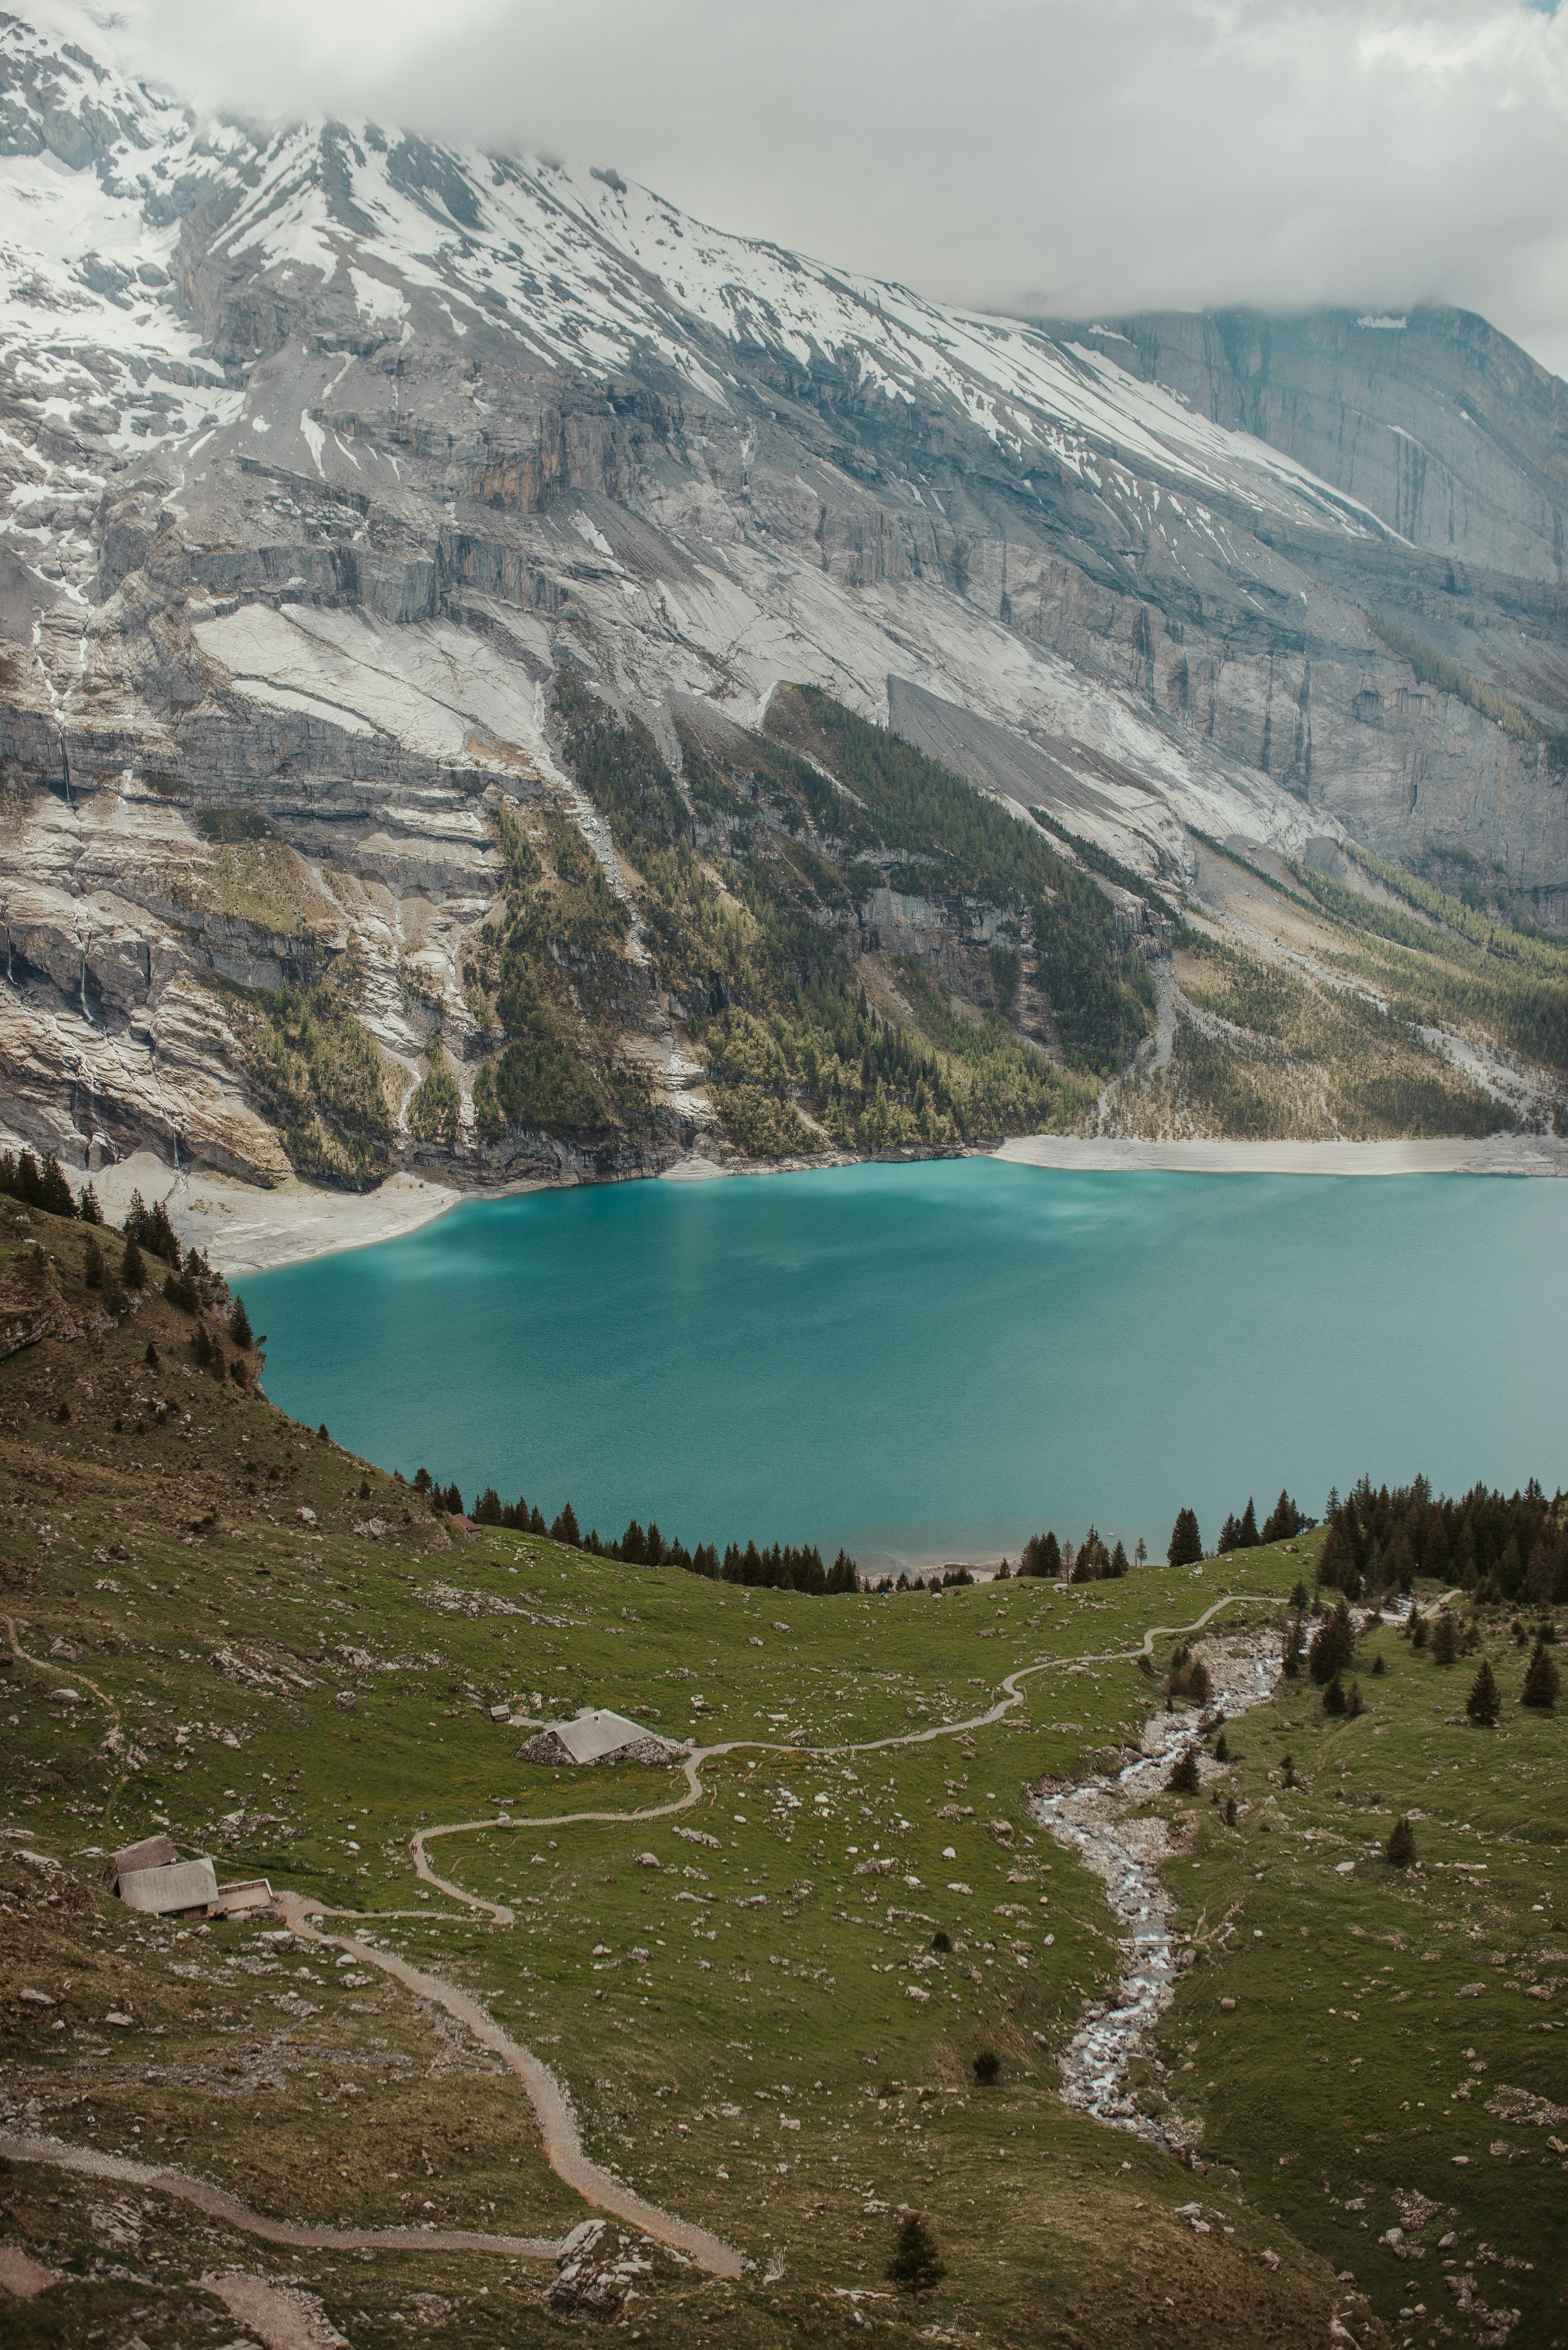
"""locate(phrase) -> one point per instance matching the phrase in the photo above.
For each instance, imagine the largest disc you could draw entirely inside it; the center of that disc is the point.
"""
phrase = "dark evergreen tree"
(1334, 1700)
(1184, 1779)
(1186, 1547)
(1332, 1647)
(1445, 1638)
(1419, 1634)
(1283, 1520)
(1042, 1556)
(987, 2066)
(916, 2266)
(151, 1358)
(1540, 1680)
(87, 1208)
(1120, 1562)
(1221, 1747)
(132, 1271)
(1484, 1703)
(842, 1576)
(1229, 1539)
(240, 1326)
(1378, 1667)
(421, 1481)
(453, 1501)
(1247, 1528)
(566, 1529)
(1401, 1845)
(93, 1267)
(487, 1509)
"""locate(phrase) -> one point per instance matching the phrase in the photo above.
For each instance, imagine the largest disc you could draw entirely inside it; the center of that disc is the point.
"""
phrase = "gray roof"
(597, 1733)
(187, 1885)
(155, 1852)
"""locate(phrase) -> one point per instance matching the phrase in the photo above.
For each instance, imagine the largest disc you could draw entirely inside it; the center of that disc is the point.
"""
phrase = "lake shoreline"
(244, 1229)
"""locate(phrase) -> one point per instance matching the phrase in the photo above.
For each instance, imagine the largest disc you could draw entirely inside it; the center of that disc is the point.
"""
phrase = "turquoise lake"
(933, 1361)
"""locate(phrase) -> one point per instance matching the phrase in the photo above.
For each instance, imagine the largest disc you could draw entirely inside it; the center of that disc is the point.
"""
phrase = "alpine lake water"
(929, 1362)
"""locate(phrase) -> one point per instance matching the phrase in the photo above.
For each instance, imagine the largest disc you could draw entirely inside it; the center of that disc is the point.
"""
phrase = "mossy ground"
(733, 2024)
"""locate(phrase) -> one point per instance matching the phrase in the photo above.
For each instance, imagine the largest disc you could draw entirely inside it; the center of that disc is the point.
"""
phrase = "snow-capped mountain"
(323, 451)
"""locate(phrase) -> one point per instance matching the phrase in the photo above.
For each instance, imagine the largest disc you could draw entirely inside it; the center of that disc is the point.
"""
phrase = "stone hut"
(597, 1736)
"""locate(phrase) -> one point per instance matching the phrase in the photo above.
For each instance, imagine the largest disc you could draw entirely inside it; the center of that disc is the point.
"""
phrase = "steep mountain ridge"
(327, 451)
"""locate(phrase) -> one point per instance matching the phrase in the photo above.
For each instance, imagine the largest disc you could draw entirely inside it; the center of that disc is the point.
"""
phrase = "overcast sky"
(1068, 156)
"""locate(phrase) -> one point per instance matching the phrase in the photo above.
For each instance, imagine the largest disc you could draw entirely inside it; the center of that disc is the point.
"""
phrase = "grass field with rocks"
(278, 1653)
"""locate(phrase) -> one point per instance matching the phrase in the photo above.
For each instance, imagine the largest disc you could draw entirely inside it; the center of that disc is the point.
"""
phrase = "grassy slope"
(776, 1993)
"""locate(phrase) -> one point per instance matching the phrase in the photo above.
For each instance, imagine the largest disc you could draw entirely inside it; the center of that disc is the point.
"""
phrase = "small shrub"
(1401, 1845)
(321, 1432)
(1354, 1703)
(364, 1488)
(942, 1939)
(1289, 1768)
(987, 2065)
(151, 1357)
(1378, 1667)
(1230, 1811)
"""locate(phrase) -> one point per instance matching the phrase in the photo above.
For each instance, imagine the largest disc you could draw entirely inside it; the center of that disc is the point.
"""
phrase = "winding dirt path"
(220, 2205)
(552, 2106)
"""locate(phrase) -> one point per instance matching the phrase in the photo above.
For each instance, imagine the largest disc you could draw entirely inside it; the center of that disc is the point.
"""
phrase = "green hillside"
(285, 1657)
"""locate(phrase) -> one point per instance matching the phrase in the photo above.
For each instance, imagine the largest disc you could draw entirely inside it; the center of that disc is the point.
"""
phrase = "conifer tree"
(1184, 1779)
(1334, 1701)
(1445, 1640)
(1540, 1680)
(1484, 1703)
(566, 1528)
(93, 1265)
(1141, 1554)
(1186, 1546)
(1119, 1560)
(1354, 1703)
(1221, 1747)
(1378, 1667)
(132, 1271)
(87, 1208)
(487, 1509)
(1401, 1845)
(240, 1326)
(1247, 1529)
(916, 2266)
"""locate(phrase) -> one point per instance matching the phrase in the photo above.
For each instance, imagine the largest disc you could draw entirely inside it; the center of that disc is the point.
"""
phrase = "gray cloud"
(1073, 156)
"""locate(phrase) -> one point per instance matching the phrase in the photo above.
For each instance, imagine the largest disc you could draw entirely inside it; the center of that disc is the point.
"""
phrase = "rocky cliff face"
(325, 455)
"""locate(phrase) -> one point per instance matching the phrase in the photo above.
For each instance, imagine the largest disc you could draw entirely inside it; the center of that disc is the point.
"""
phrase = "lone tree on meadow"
(1186, 1542)
(1541, 1681)
(1401, 1845)
(1484, 1703)
(1445, 1640)
(916, 2266)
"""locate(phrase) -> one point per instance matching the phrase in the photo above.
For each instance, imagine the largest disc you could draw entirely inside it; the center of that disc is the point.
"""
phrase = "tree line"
(778, 1569)
(1499, 1547)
